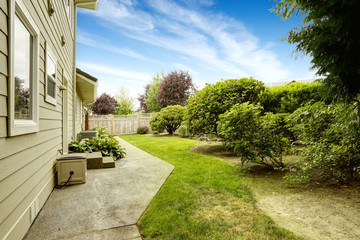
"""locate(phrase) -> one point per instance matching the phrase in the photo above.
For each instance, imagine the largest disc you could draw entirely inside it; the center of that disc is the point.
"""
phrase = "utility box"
(73, 164)
(88, 134)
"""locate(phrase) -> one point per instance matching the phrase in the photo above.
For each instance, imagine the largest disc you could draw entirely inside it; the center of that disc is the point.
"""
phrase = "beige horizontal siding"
(3, 22)
(3, 85)
(3, 65)
(14, 155)
(3, 43)
(3, 106)
(16, 179)
(4, 6)
(3, 131)
(21, 212)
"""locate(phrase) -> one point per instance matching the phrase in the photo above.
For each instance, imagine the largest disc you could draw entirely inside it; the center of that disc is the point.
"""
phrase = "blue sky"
(125, 42)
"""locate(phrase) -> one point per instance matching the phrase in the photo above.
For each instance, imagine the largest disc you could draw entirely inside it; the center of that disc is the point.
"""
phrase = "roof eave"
(88, 4)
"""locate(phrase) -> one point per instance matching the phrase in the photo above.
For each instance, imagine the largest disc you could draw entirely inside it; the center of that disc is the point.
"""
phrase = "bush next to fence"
(103, 132)
(168, 119)
(287, 98)
(205, 106)
(255, 138)
(142, 130)
(104, 143)
(331, 136)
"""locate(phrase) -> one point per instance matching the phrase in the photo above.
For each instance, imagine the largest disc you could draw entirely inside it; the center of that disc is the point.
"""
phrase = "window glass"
(51, 86)
(51, 67)
(22, 70)
(51, 76)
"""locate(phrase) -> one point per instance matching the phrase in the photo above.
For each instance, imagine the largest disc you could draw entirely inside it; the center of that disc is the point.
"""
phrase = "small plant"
(155, 132)
(183, 130)
(142, 130)
(108, 146)
(102, 132)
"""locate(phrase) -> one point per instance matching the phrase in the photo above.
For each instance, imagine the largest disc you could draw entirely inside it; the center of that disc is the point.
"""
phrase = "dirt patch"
(313, 211)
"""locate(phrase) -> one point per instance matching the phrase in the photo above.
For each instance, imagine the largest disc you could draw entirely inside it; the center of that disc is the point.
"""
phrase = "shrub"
(287, 98)
(108, 146)
(183, 130)
(143, 130)
(102, 132)
(255, 138)
(168, 118)
(331, 136)
(205, 106)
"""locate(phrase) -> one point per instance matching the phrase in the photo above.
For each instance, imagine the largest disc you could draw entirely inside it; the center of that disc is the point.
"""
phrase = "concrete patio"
(108, 205)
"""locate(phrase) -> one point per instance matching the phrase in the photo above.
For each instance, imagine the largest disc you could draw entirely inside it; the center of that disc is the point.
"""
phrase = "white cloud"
(115, 72)
(101, 43)
(213, 41)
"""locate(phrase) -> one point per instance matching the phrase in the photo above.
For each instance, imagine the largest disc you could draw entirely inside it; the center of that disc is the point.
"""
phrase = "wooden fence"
(120, 124)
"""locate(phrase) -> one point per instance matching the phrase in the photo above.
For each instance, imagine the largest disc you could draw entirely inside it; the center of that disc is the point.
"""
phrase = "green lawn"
(204, 198)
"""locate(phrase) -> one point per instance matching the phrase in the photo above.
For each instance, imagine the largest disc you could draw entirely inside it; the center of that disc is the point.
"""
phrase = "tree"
(151, 100)
(329, 33)
(125, 103)
(168, 118)
(105, 104)
(175, 89)
(142, 98)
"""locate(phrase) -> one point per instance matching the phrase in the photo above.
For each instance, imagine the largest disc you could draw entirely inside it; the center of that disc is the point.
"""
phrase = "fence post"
(138, 120)
(112, 125)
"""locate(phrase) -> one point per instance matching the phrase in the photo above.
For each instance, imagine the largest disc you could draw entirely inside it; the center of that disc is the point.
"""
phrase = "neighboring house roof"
(88, 4)
(86, 86)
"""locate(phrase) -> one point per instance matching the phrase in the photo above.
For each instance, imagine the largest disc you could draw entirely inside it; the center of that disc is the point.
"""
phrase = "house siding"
(79, 116)
(27, 162)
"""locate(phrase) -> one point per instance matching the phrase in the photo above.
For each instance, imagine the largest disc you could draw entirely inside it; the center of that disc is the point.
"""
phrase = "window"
(68, 4)
(24, 57)
(51, 80)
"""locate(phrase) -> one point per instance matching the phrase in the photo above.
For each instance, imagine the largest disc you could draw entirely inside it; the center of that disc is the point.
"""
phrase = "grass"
(204, 197)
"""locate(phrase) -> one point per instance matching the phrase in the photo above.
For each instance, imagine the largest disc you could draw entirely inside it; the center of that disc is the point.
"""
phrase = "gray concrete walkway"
(108, 205)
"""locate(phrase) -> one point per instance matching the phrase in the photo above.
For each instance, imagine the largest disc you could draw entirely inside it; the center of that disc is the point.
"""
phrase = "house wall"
(27, 162)
(79, 115)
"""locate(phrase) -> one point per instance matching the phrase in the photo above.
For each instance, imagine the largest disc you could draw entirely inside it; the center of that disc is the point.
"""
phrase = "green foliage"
(102, 132)
(331, 136)
(125, 103)
(168, 118)
(329, 34)
(205, 106)
(142, 130)
(287, 98)
(255, 138)
(152, 93)
(183, 130)
(108, 146)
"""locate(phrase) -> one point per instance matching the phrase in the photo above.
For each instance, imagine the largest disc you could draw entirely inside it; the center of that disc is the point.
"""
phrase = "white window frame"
(17, 126)
(50, 56)
(68, 4)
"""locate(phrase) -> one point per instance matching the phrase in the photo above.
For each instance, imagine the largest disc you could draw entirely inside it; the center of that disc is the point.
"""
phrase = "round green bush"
(205, 106)
(143, 130)
(255, 138)
(168, 119)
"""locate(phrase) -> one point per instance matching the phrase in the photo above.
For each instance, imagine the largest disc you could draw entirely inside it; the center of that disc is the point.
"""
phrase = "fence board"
(120, 124)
